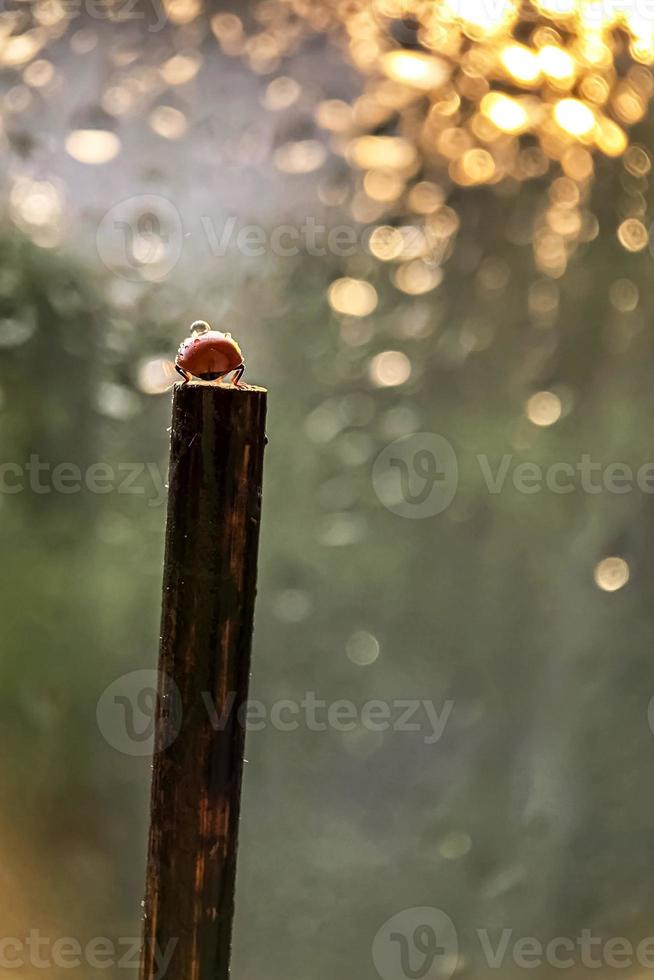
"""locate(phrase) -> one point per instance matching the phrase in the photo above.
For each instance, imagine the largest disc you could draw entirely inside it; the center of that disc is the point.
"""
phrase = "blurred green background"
(533, 811)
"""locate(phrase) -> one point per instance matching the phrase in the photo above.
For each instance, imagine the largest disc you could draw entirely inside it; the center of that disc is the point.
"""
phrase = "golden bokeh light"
(454, 94)
(425, 197)
(417, 277)
(39, 73)
(181, 68)
(391, 152)
(383, 185)
(505, 112)
(574, 116)
(354, 297)
(610, 138)
(390, 369)
(611, 574)
(557, 64)
(386, 243)
(466, 93)
(182, 11)
(281, 93)
(19, 49)
(155, 375)
(93, 146)
(301, 157)
(521, 64)
(544, 408)
(36, 207)
(633, 235)
(415, 68)
(478, 18)
(334, 114)
(168, 122)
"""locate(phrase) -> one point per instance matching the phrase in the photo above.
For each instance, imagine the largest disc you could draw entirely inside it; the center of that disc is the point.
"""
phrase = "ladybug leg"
(187, 377)
(238, 374)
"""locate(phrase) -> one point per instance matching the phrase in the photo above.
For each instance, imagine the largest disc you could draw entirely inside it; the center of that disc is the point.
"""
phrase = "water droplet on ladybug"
(199, 327)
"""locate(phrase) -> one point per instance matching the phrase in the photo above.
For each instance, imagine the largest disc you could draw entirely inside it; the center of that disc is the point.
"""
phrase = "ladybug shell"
(212, 353)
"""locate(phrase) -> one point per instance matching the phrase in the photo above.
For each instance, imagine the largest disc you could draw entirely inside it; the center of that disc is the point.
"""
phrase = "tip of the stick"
(240, 391)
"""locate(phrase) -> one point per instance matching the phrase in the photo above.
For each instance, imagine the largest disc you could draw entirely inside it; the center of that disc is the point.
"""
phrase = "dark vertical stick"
(214, 506)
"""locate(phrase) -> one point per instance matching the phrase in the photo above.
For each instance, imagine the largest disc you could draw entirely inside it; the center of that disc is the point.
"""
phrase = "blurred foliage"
(532, 812)
(545, 761)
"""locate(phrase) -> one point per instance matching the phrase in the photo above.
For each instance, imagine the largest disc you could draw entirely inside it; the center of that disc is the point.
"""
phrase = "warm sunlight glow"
(92, 146)
(414, 68)
(505, 112)
(574, 117)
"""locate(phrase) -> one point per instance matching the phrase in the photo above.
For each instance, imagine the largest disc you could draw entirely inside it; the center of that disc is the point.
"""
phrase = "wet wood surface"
(214, 509)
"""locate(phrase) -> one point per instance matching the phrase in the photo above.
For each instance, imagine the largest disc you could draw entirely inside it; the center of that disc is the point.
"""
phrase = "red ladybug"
(210, 355)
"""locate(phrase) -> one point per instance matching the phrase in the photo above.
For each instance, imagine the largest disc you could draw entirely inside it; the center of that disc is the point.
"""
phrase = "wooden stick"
(214, 506)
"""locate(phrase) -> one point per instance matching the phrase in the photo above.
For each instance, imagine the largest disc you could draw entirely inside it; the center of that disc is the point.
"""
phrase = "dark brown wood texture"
(214, 507)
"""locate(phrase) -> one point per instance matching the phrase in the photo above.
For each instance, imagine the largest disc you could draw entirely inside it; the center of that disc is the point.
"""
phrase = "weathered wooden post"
(214, 508)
